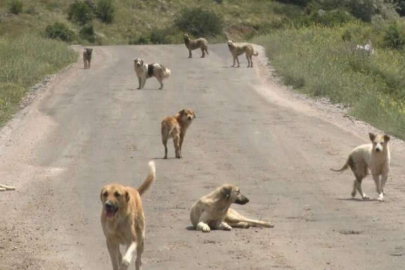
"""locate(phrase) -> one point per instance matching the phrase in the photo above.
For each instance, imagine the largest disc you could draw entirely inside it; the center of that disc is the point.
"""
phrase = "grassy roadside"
(40, 57)
(317, 61)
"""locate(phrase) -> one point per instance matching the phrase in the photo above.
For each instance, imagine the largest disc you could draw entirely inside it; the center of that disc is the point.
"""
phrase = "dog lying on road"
(145, 71)
(212, 211)
(87, 57)
(374, 156)
(175, 127)
(200, 43)
(123, 220)
(237, 50)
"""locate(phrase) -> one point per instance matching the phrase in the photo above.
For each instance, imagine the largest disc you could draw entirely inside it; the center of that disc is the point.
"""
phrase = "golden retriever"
(237, 50)
(200, 43)
(374, 156)
(213, 211)
(175, 127)
(123, 220)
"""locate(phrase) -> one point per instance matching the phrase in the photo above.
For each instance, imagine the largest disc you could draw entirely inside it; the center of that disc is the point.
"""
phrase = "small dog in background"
(374, 156)
(123, 220)
(237, 50)
(87, 57)
(175, 127)
(213, 211)
(144, 71)
(200, 43)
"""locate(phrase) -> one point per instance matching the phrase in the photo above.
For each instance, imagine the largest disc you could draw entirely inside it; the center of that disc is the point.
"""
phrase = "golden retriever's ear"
(182, 112)
(101, 194)
(226, 192)
(372, 136)
(387, 138)
(127, 195)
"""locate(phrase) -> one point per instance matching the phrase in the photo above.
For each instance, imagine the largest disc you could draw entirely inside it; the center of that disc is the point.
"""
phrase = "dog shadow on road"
(356, 200)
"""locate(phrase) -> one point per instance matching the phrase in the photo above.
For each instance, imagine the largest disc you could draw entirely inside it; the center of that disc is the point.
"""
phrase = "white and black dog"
(144, 71)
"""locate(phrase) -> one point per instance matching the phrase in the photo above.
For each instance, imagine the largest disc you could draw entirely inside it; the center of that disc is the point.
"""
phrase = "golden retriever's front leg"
(114, 251)
(126, 260)
(224, 226)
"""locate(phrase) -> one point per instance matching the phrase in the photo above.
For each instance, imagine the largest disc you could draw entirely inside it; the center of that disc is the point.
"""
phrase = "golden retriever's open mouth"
(110, 210)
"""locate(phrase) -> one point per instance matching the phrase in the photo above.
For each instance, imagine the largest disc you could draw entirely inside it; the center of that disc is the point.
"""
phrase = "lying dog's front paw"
(205, 228)
(124, 264)
(269, 225)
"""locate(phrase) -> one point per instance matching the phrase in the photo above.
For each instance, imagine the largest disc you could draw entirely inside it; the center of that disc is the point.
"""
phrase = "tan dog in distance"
(176, 127)
(200, 43)
(123, 220)
(87, 57)
(237, 50)
(374, 156)
(213, 211)
(145, 71)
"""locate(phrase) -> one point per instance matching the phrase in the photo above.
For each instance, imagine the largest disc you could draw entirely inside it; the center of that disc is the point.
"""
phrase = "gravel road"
(92, 127)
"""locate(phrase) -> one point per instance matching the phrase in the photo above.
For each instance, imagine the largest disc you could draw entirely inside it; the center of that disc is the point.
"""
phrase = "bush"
(394, 37)
(158, 36)
(16, 6)
(330, 18)
(105, 10)
(80, 12)
(199, 22)
(87, 32)
(139, 40)
(59, 31)
(302, 3)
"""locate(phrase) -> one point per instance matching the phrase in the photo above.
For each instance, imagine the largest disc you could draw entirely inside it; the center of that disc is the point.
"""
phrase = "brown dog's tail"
(347, 164)
(149, 179)
(256, 53)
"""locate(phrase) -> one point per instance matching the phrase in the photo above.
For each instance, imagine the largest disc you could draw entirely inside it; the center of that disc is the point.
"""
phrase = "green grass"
(316, 61)
(24, 62)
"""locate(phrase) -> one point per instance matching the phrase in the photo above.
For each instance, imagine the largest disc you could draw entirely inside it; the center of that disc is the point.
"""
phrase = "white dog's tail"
(347, 164)
(166, 71)
(149, 179)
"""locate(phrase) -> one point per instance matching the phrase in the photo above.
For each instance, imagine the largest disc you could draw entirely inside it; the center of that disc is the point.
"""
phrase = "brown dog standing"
(199, 43)
(87, 57)
(123, 220)
(175, 127)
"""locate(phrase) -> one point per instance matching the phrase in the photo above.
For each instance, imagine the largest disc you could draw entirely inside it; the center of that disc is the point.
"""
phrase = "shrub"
(87, 32)
(330, 18)
(59, 31)
(16, 6)
(139, 40)
(79, 12)
(158, 36)
(295, 2)
(394, 37)
(199, 22)
(105, 10)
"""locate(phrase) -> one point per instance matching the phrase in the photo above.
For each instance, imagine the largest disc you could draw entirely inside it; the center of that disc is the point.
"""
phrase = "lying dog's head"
(88, 51)
(138, 62)
(232, 193)
(380, 142)
(114, 198)
(187, 115)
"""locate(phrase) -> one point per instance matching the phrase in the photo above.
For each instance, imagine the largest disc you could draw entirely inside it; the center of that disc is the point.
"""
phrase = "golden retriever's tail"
(149, 179)
(347, 165)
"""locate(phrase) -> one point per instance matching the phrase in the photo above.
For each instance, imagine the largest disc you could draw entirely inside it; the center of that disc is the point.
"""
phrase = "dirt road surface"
(92, 127)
